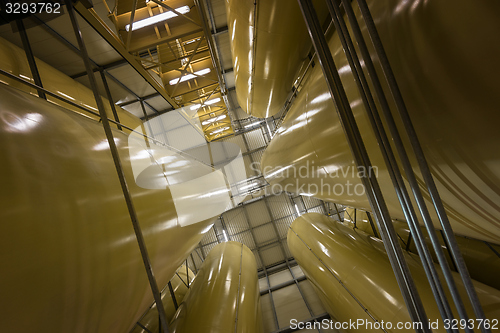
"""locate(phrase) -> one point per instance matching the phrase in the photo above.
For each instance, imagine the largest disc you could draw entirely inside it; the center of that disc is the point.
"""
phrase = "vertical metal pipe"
(424, 168)
(408, 242)
(372, 225)
(131, 23)
(110, 99)
(187, 272)
(119, 169)
(448, 249)
(30, 57)
(389, 157)
(410, 215)
(394, 251)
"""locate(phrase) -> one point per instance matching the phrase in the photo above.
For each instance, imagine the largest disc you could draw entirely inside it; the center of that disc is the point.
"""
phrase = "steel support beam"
(96, 65)
(355, 141)
(425, 171)
(119, 168)
(30, 57)
(283, 285)
(110, 98)
(102, 29)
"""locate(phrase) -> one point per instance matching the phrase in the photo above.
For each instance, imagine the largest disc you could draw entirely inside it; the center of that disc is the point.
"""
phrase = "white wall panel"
(258, 213)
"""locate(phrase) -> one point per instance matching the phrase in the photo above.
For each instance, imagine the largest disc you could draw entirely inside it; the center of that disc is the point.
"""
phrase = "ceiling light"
(189, 76)
(211, 120)
(253, 124)
(297, 210)
(219, 130)
(212, 101)
(191, 41)
(157, 18)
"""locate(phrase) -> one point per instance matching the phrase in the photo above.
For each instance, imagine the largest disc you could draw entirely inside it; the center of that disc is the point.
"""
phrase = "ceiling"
(168, 51)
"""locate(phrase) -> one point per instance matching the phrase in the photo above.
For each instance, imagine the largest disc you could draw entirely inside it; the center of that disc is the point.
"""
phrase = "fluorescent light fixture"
(225, 235)
(191, 41)
(25, 77)
(297, 210)
(211, 120)
(253, 124)
(219, 130)
(189, 76)
(212, 101)
(306, 194)
(157, 18)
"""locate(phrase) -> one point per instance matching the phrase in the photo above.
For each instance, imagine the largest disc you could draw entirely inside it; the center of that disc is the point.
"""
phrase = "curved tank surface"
(350, 270)
(448, 81)
(225, 296)
(67, 236)
(13, 60)
(482, 261)
(180, 285)
(269, 42)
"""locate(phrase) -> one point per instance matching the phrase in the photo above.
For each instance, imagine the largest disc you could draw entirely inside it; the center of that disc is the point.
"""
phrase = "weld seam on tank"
(338, 280)
(254, 52)
(239, 291)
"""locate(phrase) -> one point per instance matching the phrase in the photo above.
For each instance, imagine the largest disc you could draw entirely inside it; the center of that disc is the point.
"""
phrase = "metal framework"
(119, 169)
(375, 196)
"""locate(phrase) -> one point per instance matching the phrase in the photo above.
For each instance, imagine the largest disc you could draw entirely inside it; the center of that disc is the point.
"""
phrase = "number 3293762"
(32, 8)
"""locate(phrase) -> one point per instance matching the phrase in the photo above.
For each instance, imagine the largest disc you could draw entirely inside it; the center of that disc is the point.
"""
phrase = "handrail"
(66, 100)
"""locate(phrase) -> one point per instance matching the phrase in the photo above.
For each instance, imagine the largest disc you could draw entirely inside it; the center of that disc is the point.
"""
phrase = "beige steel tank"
(448, 73)
(350, 270)
(225, 296)
(180, 283)
(67, 243)
(269, 42)
(13, 60)
(482, 262)
(67, 239)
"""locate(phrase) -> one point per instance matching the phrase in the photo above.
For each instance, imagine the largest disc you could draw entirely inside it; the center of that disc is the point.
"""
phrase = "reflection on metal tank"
(67, 243)
(482, 261)
(449, 82)
(350, 270)
(13, 60)
(180, 283)
(224, 297)
(269, 42)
